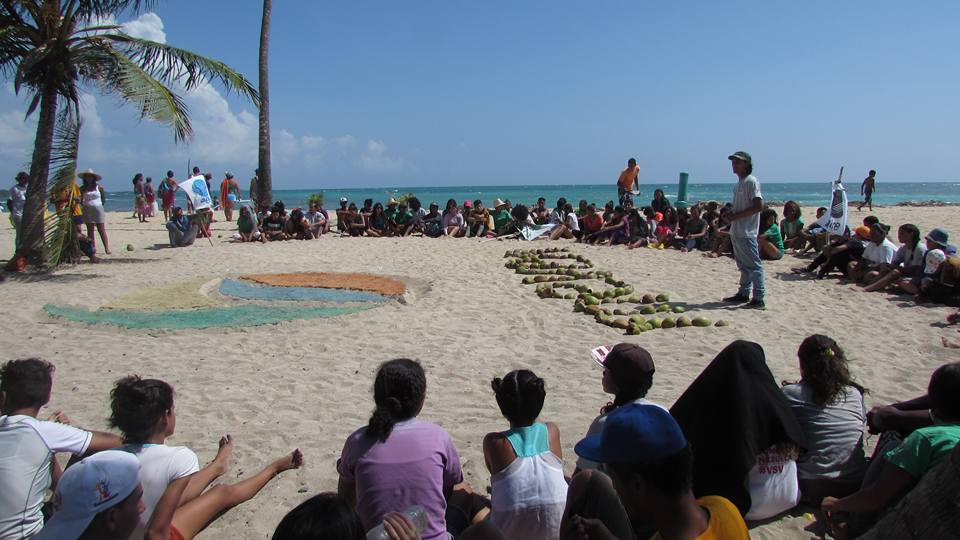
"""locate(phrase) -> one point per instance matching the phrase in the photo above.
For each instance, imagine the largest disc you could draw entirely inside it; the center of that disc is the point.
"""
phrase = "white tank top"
(92, 198)
(527, 498)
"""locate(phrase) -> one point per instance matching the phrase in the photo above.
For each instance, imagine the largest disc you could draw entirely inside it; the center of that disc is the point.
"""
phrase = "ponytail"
(398, 392)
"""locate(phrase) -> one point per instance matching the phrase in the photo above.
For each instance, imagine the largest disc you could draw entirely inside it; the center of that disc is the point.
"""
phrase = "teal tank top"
(529, 441)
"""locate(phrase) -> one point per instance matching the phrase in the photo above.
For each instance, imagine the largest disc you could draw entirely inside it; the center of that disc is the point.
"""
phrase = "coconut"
(628, 289)
(648, 310)
(569, 296)
(591, 310)
(619, 311)
(527, 280)
(701, 321)
(684, 322)
(678, 309)
(619, 291)
(656, 323)
(663, 297)
(648, 299)
(578, 307)
(591, 300)
(623, 324)
(668, 322)
(663, 308)
(722, 323)
(637, 319)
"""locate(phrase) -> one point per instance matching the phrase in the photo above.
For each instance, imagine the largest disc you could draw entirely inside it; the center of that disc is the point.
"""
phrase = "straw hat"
(89, 172)
(497, 203)
(392, 201)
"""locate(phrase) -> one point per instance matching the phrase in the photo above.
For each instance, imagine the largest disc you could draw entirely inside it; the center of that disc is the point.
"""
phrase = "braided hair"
(824, 369)
(520, 395)
(138, 405)
(398, 392)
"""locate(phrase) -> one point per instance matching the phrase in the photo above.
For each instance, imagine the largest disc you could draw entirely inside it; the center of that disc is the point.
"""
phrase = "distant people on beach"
(94, 216)
(867, 187)
(229, 194)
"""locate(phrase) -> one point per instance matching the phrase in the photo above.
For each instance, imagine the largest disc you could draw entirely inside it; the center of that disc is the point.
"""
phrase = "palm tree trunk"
(32, 233)
(265, 176)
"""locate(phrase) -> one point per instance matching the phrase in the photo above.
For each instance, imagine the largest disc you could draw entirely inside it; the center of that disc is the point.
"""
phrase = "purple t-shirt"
(412, 467)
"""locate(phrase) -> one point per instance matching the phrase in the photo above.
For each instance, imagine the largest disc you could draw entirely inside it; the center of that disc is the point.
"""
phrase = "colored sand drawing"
(246, 291)
(218, 317)
(546, 269)
(178, 295)
(333, 280)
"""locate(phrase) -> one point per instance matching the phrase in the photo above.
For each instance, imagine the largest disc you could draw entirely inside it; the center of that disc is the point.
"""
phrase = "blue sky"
(461, 93)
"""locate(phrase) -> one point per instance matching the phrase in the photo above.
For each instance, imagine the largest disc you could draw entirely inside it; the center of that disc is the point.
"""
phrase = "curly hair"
(26, 383)
(398, 391)
(520, 395)
(824, 367)
(138, 405)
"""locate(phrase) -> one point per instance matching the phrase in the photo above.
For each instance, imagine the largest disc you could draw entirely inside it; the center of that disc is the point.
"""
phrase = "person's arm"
(497, 452)
(892, 482)
(101, 440)
(158, 528)
(863, 186)
(347, 490)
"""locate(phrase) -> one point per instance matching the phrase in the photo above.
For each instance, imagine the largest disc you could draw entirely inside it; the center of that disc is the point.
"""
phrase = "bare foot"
(953, 318)
(293, 460)
(222, 461)
(949, 344)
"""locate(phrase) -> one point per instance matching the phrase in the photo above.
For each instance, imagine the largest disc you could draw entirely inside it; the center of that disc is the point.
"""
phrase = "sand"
(307, 384)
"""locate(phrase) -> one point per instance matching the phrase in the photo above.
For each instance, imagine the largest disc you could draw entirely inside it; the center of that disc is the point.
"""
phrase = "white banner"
(835, 220)
(196, 190)
(532, 233)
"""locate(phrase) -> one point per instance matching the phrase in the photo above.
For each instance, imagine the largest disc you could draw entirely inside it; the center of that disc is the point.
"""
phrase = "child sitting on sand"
(527, 486)
(377, 222)
(627, 375)
(907, 263)
(695, 232)
(936, 241)
(248, 229)
(744, 437)
(770, 240)
(591, 223)
(297, 227)
(809, 235)
(830, 407)
(175, 495)
(905, 465)
(397, 461)
(791, 226)
(28, 445)
(317, 220)
(878, 251)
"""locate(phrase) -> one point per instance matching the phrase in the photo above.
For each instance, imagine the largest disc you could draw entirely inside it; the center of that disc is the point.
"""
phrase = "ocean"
(805, 193)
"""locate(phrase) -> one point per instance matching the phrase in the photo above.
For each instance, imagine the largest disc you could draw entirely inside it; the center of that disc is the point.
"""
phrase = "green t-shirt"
(391, 213)
(789, 229)
(403, 218)
(924, 448)
(500, 219)
(773, 234)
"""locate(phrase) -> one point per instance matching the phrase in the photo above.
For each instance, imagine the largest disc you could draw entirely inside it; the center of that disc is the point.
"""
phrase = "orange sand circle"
(353, 281)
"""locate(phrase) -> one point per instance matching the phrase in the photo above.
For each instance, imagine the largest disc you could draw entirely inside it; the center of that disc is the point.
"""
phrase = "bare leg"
(883, 281)
(90, 235)
(202, 478)
(194, 516)
(102, 229)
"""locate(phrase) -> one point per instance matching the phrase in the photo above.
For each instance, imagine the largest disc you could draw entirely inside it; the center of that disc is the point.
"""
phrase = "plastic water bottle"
(416, 514)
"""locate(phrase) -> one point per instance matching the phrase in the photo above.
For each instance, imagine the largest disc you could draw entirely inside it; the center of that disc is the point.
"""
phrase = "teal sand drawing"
(233, 316)
(247, 291)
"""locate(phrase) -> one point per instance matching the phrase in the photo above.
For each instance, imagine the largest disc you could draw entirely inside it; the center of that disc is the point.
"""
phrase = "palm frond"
(60, 242)
(172, 64)
(150, 96)
(90, 9)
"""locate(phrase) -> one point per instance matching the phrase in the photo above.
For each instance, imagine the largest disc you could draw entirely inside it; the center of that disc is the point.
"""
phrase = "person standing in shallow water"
(744, 221)
(867, 188)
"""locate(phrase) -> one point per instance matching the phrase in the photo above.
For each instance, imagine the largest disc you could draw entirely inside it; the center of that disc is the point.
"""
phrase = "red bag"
(17, 264)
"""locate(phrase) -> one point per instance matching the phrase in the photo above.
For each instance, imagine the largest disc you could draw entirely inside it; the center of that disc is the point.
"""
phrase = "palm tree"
(264, 174)
(53, 48)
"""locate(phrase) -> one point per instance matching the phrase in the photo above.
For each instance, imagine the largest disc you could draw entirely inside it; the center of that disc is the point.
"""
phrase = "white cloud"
(16, 137)
(147, 26)
(376, 158)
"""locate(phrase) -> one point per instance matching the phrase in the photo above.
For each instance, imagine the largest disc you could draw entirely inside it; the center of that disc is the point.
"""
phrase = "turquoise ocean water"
(805, 193)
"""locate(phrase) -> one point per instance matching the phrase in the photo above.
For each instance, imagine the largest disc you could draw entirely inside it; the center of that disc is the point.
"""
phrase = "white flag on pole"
(835, 220)
(196, 190)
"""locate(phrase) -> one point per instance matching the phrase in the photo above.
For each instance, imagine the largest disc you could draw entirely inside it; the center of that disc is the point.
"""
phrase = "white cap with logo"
(91, 486)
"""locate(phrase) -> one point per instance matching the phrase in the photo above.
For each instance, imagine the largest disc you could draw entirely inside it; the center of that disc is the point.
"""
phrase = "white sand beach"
(307, 384)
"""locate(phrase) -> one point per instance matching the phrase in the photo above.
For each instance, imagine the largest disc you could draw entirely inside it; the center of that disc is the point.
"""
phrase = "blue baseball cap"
(634, 433)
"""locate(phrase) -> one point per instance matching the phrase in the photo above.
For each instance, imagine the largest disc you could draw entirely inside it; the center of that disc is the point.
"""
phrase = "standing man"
(15, 201)
(744, 221)
(227, 187)
(867, 188)
(255, 189)
(629, 178)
